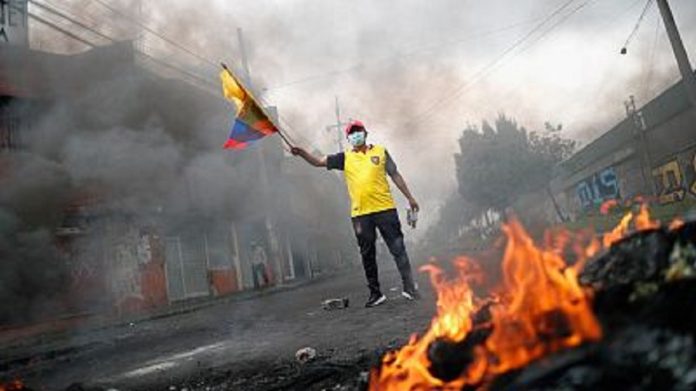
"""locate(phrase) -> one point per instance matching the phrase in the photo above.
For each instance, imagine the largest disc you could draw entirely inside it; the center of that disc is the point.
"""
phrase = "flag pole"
(280, 133)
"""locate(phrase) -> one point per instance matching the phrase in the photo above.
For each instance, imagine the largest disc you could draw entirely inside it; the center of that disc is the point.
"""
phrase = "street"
(200, 196)
(249, 337)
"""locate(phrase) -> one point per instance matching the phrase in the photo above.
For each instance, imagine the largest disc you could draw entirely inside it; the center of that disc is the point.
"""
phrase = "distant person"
(365, 169)
(259, 262)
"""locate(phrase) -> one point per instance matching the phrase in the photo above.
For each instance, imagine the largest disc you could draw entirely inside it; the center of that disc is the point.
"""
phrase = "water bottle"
(411, 217)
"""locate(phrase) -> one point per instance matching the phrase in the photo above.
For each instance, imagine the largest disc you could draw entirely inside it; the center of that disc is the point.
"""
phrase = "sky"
(415, 72)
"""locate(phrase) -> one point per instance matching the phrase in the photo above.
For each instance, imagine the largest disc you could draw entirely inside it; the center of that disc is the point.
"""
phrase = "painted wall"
(675, 179)
(14, 22)
(653, 157)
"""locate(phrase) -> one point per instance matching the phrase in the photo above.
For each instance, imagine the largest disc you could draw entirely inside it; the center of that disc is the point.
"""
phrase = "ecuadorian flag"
(250, 123)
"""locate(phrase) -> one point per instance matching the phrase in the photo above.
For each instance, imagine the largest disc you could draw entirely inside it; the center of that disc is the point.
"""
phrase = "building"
(651, 153)
(145, 208)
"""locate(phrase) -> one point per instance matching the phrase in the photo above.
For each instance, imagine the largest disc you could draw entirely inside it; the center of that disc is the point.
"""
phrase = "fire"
(15, 385)
(619, 231)
(455, 305)
(676, 224)
(545, 308)
(641, 220)
(541, 309)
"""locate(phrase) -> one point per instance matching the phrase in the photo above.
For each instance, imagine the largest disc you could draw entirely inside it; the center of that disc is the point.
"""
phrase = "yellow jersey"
(366, 178)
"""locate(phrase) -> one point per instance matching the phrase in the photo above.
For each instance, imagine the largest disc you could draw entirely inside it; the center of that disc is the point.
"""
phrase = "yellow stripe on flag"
(233, 91)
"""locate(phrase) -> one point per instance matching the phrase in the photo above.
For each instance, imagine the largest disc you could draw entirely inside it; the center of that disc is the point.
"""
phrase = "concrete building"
(126, 249)
(651, 153)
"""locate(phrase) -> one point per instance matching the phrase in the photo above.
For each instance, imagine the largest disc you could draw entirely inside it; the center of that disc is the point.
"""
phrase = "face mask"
(356, 139)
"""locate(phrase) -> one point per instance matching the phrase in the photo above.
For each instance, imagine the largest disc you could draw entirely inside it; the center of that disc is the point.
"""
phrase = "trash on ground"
(305, 355)
(335, 304)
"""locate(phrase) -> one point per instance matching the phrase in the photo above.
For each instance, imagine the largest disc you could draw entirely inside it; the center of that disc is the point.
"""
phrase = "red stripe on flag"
(264, 126)
(234, 144)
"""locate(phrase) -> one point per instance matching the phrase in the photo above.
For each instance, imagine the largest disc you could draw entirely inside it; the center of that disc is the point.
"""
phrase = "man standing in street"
(259, 266)
(365, 169)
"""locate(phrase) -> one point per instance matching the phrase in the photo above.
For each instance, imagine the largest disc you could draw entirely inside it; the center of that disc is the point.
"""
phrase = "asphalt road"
(250, 335)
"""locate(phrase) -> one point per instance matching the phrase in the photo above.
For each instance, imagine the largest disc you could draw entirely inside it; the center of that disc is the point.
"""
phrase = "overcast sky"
(416, 72)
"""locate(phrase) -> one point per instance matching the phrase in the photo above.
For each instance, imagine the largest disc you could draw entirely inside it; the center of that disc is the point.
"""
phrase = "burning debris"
(618, 321)
(15, 385)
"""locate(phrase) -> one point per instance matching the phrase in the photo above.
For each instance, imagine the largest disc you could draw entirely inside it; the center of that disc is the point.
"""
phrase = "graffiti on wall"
(672, 180)
(601, 186)
(131, 251)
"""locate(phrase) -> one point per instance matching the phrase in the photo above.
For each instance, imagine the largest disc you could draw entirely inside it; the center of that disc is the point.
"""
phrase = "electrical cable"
(651, 64)
(142, 25)
(73, 19)
(624, 49)
(60, 29)
(485, 70)
(388, 59)
(56, 12)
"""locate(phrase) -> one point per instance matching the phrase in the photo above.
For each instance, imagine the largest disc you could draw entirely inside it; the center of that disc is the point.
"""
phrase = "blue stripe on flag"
(243, 132)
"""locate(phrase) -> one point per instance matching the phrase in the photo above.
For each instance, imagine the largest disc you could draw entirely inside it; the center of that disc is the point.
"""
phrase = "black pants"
(387, 222)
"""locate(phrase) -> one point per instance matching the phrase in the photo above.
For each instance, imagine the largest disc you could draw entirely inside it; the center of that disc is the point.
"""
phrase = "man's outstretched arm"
(401, 184)
(308, 157)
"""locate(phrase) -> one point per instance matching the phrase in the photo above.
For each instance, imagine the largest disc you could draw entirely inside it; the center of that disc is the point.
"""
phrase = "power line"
(77, 23)
(60, 29)
(72, 19)
(553, 26)
(158, 35)
(653, 49)
(486, 69)
(624, 49)
(413, 52)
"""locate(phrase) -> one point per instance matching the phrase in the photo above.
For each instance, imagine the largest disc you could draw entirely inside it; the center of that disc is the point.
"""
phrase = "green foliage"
(497, 164)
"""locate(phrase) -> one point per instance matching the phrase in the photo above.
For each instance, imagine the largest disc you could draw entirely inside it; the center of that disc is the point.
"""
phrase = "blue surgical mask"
(357, 139)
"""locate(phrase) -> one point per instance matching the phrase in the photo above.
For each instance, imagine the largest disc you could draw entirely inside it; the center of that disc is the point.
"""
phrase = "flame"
(676, 224)
(642, 221)
(546, 309)
(455, 305)
(607, 206)
(16, 385)
(618, 232)
(541, 309)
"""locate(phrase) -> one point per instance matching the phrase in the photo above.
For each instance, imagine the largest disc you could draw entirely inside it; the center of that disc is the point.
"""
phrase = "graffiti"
(669, 180)
(598, 188)
(131, 251)
(13, 22)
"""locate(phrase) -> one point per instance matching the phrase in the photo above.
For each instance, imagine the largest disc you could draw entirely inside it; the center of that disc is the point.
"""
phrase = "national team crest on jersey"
(375, 160)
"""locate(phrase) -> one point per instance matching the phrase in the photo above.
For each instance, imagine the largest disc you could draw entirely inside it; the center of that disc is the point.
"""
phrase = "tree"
(497, 164)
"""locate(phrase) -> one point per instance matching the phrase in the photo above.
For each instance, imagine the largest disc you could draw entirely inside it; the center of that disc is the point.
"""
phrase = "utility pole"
(265, 183)
(640, 128)
(687, 73)
(338, 126)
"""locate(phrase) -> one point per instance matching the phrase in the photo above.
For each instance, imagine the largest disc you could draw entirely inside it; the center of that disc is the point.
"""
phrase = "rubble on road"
(335, 304)
(305, 355)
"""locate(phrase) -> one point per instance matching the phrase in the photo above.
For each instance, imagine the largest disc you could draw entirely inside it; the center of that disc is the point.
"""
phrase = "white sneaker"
(375, 300)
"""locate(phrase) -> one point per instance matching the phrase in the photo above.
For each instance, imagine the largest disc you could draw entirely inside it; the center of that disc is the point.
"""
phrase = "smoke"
(416, 74)
(30, 204)
(116, 147)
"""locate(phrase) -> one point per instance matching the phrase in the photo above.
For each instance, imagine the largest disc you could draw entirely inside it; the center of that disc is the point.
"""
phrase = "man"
(258, 265)
(365, 169)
